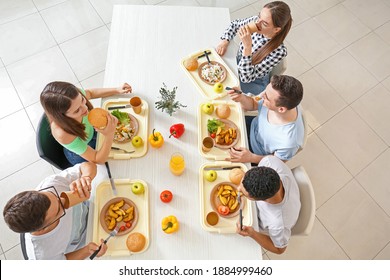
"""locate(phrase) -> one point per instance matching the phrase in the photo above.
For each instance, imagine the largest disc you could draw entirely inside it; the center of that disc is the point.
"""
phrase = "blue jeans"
(255, 87)
(74, 158)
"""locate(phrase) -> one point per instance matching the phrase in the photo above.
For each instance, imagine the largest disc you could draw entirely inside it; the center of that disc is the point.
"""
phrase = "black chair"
(23, 246)
(48, 147)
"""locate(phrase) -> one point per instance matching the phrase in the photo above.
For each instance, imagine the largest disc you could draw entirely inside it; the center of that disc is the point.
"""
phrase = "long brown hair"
(281, 17)
(56, 99)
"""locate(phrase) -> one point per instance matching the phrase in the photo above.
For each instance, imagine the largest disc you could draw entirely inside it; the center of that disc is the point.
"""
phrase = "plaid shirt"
(246, 70)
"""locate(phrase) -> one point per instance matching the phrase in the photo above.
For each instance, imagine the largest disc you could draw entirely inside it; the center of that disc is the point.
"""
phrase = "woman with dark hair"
(67, 108)
(261, 51)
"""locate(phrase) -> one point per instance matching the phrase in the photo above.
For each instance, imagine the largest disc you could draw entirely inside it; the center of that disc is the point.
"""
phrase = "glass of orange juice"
(177, 164)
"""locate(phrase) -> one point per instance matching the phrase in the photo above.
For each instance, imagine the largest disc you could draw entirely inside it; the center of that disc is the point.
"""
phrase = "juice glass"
(177, 164)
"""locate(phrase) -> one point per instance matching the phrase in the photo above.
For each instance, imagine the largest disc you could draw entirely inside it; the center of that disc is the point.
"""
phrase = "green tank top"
(78, 145)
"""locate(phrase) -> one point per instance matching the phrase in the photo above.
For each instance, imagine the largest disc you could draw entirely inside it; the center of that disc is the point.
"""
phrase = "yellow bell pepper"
(170, 224)
(156, 139)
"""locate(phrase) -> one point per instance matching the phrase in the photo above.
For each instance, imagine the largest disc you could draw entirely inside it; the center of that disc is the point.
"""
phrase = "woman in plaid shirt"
(261, 51)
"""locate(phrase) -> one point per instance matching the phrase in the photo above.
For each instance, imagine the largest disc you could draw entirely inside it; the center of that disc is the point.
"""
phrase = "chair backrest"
(307, 213)
(280, 68)
(23, 246)
(48, 147)
(305, 130)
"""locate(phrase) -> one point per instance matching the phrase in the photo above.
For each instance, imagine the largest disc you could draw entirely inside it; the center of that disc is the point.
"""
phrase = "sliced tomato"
(223, 210)
(166, 196)
(122, 228)
(212, 135)
(128, 224)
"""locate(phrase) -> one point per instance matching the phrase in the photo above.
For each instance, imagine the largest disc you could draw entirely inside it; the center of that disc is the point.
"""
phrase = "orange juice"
(177, 164)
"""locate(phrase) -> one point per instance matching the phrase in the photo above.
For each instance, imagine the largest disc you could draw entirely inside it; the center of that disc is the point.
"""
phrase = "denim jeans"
(74, 158)
(255, 87)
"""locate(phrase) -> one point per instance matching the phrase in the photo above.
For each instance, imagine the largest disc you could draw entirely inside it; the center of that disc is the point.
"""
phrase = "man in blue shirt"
(278, 129)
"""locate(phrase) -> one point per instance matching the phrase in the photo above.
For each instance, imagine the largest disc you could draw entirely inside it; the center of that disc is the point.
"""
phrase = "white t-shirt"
(70, 233)
(282, 141)
(276, 220)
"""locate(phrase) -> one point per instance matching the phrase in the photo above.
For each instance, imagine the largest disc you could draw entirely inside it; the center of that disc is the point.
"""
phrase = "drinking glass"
(177, 164)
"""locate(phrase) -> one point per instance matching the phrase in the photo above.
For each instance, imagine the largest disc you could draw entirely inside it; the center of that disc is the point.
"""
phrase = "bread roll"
(223, 111)
(97, 117)
(135, 242)
(235, 175)
(191, 64)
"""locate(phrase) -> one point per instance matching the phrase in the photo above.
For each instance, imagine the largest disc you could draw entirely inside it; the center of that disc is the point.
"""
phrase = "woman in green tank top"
(67, 108)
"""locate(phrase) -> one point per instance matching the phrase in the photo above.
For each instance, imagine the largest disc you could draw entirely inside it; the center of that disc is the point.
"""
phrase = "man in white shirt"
(278, 129)
(272, 185)
(51, 232)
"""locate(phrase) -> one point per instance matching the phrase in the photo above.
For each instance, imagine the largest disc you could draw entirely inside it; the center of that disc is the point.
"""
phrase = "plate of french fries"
(120, 213)
(225, 193)
(226, 135)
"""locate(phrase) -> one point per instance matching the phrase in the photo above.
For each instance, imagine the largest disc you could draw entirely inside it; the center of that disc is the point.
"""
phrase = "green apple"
(211, 175)
(218, 87)
(137, 141)
(208, 108)
(138, 188)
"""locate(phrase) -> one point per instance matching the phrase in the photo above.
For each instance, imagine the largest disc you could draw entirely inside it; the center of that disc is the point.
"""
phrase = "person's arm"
(86, 251)
(248, 103)
(261, 239)
(104, 92)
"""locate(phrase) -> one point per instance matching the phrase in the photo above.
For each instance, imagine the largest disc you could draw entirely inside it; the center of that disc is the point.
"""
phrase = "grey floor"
(340, 50)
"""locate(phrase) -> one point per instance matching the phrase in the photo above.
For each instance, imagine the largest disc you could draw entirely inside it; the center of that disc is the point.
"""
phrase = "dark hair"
(26, 211)
(56, 99)
(281, 17)
(261, 182)
(290, 91)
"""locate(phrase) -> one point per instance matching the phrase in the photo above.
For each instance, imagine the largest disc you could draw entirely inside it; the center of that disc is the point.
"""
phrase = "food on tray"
(170, 224)
(213, 125)
(126, 128)
(156, 140)
(218, 87)
(212, 218)
(138, 188)
(135, 242)
(224, 132)
(224, 194)
(223, 111)
(137, 141)
(118, 212)
(225, 136)
(97, 117)
(235, 175)
(211, 175)
(212, 73)
(208, 108)
(191, 64)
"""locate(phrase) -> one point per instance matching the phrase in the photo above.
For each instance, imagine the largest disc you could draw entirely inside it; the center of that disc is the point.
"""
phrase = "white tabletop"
(145, 49)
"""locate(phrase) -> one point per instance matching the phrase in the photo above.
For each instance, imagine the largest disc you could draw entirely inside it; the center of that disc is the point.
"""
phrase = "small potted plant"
(167, 101)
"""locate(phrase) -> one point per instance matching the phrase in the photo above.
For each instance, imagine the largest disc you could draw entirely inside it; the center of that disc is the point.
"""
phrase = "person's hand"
(126, 88)
(222, 47)
(82, 186)
(92, 247)
(240, 154)
(110, 128)
(237, 97)
(245, 37)
(246, 230)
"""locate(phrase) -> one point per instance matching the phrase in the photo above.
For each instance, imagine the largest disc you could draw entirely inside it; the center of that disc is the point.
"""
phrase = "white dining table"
(146, 46)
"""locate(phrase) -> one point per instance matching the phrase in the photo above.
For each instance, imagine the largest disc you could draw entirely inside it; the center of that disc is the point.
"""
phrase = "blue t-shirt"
(281, 140)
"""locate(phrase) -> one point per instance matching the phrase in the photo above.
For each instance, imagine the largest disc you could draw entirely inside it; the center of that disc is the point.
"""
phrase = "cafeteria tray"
(117, 245)
(236, 116)
(205, 89)
(225, 224)
(142, 119)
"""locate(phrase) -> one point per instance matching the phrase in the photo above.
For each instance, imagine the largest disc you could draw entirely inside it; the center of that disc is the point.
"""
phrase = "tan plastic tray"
(117, 245)
(224, 225)
(236, 116)
(205, 89)
(142, 119)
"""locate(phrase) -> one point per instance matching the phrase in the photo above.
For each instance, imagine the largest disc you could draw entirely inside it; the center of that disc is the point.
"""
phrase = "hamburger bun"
(97, 117)
(235, 175)
(191, 64)
(135, 242)
(223, 111)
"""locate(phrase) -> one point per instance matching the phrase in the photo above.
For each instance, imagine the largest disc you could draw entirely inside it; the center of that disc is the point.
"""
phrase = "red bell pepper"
(177, 130)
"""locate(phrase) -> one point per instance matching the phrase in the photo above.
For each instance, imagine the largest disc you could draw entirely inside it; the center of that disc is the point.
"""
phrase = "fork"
(239, 202)
(123, 150)
(112, 233)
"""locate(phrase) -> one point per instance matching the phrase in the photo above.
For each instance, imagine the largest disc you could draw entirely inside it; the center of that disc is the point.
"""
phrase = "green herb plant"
(167, 101)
